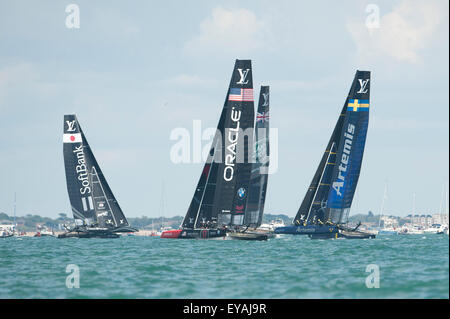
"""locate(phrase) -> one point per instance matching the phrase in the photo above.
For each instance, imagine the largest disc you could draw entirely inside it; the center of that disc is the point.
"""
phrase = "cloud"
(236, 31)
(402, 33)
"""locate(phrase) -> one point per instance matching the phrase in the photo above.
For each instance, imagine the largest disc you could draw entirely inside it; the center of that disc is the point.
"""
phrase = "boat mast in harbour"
(382, 205)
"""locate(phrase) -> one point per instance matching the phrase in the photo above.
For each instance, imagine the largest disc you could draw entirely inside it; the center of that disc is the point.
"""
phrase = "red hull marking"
(171, 233)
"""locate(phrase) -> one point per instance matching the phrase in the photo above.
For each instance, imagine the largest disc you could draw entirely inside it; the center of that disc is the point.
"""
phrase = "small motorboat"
(5, 234)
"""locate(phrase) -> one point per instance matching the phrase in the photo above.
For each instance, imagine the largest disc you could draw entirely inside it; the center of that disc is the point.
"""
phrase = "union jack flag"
(262, 117)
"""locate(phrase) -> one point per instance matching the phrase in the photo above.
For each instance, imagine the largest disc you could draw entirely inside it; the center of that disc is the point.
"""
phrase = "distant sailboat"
(385, 230)
(95, 209)
(220, 198)
(327, 202)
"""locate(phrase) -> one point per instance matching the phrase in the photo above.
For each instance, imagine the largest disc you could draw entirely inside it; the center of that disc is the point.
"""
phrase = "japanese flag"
(72, 138)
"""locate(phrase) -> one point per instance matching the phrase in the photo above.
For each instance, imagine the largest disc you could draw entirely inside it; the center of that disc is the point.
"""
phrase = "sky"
(134, 73)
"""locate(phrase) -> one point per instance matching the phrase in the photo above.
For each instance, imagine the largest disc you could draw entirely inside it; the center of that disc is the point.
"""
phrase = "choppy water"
(411, 266)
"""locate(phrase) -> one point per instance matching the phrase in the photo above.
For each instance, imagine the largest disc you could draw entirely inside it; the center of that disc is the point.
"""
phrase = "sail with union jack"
(262, 117)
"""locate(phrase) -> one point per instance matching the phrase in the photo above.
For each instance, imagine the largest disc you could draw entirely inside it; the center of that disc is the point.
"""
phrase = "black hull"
(202, 233)
(248, 236)
(348, 234)
(88, 234)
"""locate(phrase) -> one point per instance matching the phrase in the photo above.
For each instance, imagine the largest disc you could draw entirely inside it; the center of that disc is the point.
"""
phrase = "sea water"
(390, 266)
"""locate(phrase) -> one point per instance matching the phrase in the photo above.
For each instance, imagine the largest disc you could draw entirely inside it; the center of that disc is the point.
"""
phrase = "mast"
(15, 210)
(441, 205)
(413, 209)
(161, 204)
(382, 204)
(446, 202)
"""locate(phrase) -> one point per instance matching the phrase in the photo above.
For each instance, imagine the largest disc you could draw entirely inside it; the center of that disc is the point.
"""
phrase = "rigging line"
(107, 200)
(321, 177)
(206, 184)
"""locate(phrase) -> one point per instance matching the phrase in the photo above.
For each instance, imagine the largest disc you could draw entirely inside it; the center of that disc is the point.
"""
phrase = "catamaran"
(327, 202)
(220, 198)
(95, 209)
(259, 176)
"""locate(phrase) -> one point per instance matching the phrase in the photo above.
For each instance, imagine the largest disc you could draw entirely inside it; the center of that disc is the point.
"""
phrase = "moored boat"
(272, 225)
(435, 229)
(43, 231)
(387, 231)
(5, 234)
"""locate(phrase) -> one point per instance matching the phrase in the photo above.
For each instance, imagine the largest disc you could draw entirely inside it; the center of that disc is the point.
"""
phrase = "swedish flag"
(356, 105)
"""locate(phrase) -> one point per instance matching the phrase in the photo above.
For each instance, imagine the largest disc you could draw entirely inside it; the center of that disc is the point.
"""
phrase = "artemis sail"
(95, 209)
(220, 197)
(330, 194)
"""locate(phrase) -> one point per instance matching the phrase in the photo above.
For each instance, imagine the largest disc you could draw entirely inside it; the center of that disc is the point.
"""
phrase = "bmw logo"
(241, 192)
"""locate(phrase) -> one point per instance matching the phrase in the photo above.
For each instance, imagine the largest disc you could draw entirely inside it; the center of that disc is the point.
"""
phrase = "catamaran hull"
(195, 234)
(88, 234)
(247, 236)
(306, 230)
(343, 234)
(203, 234)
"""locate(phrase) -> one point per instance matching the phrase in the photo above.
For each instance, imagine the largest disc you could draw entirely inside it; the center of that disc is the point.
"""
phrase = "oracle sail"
(329, 197)
(220, 197)
(95, 209)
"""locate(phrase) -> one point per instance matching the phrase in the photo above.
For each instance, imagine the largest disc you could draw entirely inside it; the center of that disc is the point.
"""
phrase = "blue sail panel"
(351, 148)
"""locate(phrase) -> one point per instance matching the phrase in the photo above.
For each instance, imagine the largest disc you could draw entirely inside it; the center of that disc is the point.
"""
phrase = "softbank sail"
(95, 209)
(328, 199)
(220, 198)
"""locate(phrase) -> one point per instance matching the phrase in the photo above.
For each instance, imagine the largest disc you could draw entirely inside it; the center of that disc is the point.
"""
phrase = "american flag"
(242, 95)
(262, 117)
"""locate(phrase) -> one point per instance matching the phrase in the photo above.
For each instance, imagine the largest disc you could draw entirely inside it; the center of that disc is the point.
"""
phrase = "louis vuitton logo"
(243, 74)
(266, 99)
(70, 126)
(363, 85)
